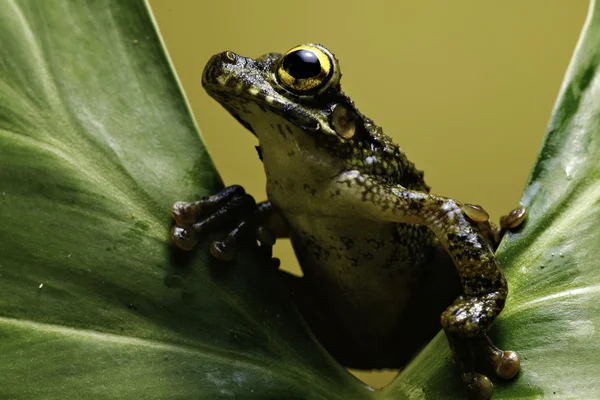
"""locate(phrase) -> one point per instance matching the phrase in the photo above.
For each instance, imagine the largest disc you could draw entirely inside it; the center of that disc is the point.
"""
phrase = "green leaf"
(96, 143)
(552, 317)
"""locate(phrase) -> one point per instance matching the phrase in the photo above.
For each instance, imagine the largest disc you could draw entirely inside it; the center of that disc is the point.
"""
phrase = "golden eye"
(308, 69)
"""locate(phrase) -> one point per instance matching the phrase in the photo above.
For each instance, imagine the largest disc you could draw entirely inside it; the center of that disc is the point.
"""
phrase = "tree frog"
(378, 251)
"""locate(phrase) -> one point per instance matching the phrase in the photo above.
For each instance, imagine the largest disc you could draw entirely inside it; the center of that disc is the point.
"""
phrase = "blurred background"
(465, 87)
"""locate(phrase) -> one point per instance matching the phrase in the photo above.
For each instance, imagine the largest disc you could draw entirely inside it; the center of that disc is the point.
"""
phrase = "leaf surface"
(552, 317)
(96, 144)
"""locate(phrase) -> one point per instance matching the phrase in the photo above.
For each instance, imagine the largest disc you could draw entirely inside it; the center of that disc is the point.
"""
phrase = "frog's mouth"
(236, 82)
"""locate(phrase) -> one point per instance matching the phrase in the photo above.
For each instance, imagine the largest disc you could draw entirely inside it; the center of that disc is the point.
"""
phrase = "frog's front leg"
(490, 231)
(484, 286)
(231, 211)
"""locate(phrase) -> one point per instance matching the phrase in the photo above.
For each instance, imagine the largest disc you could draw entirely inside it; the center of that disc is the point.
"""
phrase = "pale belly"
(371, 289)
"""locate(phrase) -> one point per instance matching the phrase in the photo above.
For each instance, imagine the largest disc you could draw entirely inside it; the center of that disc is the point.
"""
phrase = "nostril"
(229, 56)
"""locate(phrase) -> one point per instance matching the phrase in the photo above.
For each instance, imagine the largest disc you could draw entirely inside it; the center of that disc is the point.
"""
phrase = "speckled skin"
(363, 224)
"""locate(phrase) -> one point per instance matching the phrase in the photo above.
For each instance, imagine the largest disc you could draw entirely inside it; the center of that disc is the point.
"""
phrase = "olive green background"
(465, 87)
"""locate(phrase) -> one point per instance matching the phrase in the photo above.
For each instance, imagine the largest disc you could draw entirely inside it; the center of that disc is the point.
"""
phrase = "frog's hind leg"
(231, 211)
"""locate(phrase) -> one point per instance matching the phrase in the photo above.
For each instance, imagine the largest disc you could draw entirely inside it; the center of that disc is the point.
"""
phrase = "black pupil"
(302, 64)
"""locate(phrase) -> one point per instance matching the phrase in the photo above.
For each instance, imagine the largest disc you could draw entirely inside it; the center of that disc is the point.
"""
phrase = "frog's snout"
(216, 68)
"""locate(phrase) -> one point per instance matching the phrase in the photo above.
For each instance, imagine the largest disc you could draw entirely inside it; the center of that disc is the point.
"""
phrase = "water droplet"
(568, 171)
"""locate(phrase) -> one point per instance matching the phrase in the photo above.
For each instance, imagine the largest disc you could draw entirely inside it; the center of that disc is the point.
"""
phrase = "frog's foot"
(467, 352)
(490, 231)
(478, 386)
(465, 328)
(514, 218)
(232, 211)
(506, 363)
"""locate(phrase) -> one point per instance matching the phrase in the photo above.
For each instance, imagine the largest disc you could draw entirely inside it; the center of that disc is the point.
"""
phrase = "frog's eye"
(308, 69)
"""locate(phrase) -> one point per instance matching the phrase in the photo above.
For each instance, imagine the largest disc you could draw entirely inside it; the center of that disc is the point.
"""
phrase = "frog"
(385, 262)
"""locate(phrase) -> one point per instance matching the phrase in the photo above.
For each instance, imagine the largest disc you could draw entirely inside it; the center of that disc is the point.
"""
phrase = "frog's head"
(294, 104)
(302, 86)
